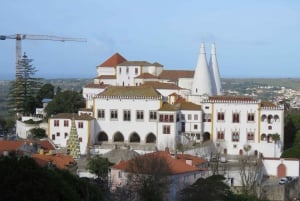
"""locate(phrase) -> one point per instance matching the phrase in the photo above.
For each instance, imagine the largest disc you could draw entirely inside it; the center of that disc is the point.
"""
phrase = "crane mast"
(20, 37)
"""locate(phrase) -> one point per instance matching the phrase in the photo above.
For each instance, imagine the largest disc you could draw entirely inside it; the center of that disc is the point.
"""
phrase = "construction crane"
(20, 37)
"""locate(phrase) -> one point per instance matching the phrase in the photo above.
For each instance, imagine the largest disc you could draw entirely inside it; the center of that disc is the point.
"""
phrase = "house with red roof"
(177, 170)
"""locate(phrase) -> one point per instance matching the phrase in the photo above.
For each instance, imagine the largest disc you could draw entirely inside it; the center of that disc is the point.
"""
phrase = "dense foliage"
(65, 102)
(292, 136)
(37, 133)
(22, 179)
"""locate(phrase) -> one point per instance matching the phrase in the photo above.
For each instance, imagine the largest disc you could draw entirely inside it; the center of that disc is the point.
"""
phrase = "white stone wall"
(271, 165)
(141, 127)
(89, 94)
(125, 76)
(106, 71)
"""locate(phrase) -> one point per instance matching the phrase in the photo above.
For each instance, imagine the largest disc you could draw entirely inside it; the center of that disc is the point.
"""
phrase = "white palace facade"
(140, 105)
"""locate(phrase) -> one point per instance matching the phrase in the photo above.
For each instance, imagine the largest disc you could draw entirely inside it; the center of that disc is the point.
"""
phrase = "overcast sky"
(254, 38)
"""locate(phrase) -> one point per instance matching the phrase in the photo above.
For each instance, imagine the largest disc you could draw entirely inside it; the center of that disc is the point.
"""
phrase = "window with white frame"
(221, 116)
(235, 136)
(166, 129)
(250, 136)
(113, 114)
(56, 123)
(80, 124)
(220, 135)
(66, 123)
(250, 117)
(101, 114)
(126, 115)
(235, 117)
(152, 115)
(140, 115)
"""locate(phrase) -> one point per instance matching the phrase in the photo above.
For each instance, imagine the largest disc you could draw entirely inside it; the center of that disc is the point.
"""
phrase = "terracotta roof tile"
(174, 75)
(61, 161)
(135, 63)
(267, 104)
(147, 76)
(175, 165)
(230, 98)
(9, 146)
(106, 77)
(130, 91)
(189, 106)
(168, 107)
(161, 85)
(71, 115)
(113, 61)
(96, 86)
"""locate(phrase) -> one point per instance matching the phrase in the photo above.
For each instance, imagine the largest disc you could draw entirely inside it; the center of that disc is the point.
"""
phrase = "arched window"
(206, 136)
(102, 137)
(118, 137)
(263, 117)
(134, 137)
(151, 138)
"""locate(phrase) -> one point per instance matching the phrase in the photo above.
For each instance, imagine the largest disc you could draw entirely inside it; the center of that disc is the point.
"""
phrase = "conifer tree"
(23, 90)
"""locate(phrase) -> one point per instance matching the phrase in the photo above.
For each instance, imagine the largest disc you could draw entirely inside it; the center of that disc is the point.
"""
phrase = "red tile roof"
(10, 145)
(161, 85)
(163, 161)
(113, 61)
(267, 104)
(96, 86)
(230, 98)
(60, 161)
(174, 75)
(189, 106)
(147, 76)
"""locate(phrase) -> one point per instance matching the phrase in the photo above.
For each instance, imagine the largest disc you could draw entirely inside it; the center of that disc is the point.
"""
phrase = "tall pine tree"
(23, 90)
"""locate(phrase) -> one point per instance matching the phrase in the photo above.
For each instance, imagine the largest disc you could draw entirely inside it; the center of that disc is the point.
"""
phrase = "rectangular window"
(250, 136)
(166, 129)
(120, 70)
(66, 123)
(220, 135)
(195, 116)
(66, 135)
(126, 115)
(235, 136)
(127, 70)
(136, 70)
(80, 139)
(80, 124)
(152, 115)
(56, 123)
(53, 137)
(140, 115)
(101, 114)
(171, 118)
(182, 117)
(221, 116)
(250, 117)
(120, 174)
(58, 134)
(236, 117)
(189, 117)
(195, 126)
(114, 114)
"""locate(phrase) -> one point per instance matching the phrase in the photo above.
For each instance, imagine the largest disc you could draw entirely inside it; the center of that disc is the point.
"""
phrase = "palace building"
(139, 105)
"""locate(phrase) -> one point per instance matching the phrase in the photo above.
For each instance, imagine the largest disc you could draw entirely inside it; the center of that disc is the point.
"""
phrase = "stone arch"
(241, 152)
(102, 137)
(206, 136)
(118, 137)
(269, 138)
(151, 138)
(281, 170)
(134, 137)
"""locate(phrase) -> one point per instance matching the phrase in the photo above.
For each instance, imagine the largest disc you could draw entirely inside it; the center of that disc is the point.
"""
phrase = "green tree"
(293, 152)
(46, 91)
(99, 166)
(212, 188)
(23, 90)
(23, 180)
(66, 101)
(37, 133)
